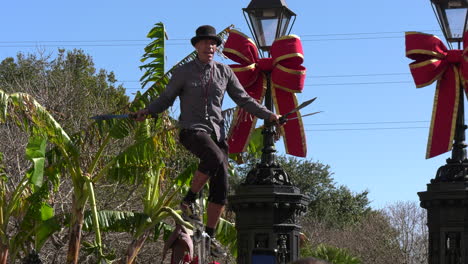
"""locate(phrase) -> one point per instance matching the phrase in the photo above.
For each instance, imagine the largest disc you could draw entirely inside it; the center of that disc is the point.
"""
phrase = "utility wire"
(367, 123)
(39, 43)
(324, 84)
(339, 76)
(362, 83)
(357, 75)
(47, 43)
(185, 39)
(364, 33)
(363, 129)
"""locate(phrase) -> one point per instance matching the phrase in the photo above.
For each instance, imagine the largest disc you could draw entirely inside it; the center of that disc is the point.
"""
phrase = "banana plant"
(26, 202)
(65, 157)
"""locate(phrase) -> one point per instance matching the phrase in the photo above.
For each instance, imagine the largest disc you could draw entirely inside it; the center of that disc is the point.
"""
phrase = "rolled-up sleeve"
(243, 99)
(168, 96)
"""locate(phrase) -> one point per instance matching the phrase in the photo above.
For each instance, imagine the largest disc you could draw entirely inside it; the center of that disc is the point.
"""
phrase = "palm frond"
(155, 53)
(116, 221)
(136, 161)
(40, 120)
(226, 233)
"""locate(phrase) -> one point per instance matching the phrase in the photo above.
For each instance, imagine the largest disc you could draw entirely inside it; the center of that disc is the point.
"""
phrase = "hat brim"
(194, 40)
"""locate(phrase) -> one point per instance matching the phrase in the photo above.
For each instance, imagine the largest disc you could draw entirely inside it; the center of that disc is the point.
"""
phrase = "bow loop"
(288, 50)
(240, 48)
(421, 47)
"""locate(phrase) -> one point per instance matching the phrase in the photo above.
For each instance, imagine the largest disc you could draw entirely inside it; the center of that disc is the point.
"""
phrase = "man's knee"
(212, 163)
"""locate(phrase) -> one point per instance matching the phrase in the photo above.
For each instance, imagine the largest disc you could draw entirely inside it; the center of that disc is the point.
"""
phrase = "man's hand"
(141, 115)
(274, 118)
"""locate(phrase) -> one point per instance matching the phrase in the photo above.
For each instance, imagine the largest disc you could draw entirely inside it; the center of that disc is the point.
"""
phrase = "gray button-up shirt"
(201, 89)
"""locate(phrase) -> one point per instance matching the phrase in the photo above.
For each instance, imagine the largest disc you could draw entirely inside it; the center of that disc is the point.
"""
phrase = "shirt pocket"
(219, 92)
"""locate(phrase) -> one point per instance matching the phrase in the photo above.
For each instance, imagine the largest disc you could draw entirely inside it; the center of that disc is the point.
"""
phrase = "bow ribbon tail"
(444, 113)
(243, 123)
(293, 130)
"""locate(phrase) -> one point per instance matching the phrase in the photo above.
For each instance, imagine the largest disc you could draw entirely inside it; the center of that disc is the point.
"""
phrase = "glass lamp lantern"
(268, 20)
(452, 17)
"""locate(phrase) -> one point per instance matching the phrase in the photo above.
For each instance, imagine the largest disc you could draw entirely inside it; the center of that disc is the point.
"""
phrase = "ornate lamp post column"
(267, 204)
(452, 18)
(269, 20)
(446, 198)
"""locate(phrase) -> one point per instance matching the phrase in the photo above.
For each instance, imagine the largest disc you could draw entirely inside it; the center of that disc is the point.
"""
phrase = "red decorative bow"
(287, 78)
(433, 61)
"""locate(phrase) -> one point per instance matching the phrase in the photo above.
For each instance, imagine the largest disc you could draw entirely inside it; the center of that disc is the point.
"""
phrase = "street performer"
(200, 84)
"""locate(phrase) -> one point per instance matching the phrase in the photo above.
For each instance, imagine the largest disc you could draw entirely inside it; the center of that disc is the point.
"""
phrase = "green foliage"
(68, 86)
(332, 254)
(35, 152)
(333, 205)
(115, 221)
(339, 207)
(154, 52)
(336, 206)
(36, 118)
(226, 233)
(256, 142)
(26, 203)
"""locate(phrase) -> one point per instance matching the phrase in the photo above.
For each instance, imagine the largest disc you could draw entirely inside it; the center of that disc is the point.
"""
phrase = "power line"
(341, 76)
(325, 84)
(69, 41)
(39, 43)
(329, 39)
(365, 33)
(47, 43)
(357, 75)
(367, 123)
(82, 45)
(363, 129)
(185, 39)
(362, 83)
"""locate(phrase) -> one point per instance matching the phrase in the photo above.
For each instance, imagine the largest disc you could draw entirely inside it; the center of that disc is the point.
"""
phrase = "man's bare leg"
(199, 180)
(214, 212)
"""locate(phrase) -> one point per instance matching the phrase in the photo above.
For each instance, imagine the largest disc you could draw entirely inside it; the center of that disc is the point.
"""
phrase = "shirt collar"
(203, 65)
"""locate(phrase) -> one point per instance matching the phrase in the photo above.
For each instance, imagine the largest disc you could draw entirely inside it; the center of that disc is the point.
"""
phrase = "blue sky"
(374, 126)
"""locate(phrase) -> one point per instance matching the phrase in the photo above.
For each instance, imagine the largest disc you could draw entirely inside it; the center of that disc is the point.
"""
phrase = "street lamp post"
(267, 205)
(446, 198)
(268, 20)
(452, 18)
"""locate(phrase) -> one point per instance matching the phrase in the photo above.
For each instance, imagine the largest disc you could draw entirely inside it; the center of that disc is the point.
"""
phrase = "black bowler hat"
(206, 32)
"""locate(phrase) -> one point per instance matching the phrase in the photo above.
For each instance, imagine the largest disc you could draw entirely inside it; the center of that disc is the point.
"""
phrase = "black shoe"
(189, 212)
(216, 249)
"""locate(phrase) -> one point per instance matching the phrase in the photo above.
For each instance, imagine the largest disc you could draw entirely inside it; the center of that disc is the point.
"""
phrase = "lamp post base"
(447, 213)
(267, 222)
